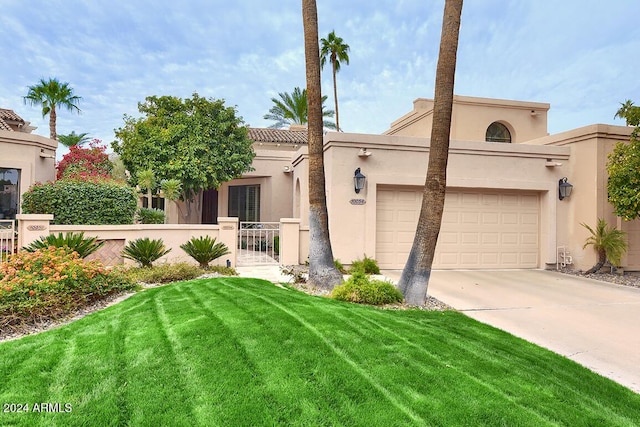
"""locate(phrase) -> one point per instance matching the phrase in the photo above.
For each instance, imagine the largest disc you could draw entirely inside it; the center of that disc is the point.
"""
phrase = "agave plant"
(608, 242)
(84, 246)
(204, 249)
(144, 251)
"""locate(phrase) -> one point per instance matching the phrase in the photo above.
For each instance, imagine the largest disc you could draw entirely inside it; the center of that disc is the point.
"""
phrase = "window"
(497, 132)
(244, 202)
(9, 193)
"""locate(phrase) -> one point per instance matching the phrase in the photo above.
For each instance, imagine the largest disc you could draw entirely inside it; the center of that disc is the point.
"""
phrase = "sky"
(581, 56)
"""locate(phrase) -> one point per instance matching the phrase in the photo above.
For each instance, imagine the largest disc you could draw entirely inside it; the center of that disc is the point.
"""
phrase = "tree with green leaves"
(416, 273)
(609, 243)
(51, 94)
(291, 109)
(323, 273)
(73, 139)
(335, 51)
(623, 167)
(196, 141)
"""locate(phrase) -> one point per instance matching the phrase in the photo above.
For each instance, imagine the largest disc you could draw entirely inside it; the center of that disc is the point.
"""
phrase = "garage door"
(489, 229)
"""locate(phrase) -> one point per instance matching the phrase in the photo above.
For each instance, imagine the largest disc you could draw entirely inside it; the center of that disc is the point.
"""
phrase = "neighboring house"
(502, 208)
(25, 159)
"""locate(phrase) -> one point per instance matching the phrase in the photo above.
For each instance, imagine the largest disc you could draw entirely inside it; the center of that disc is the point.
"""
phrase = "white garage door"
(489, 229)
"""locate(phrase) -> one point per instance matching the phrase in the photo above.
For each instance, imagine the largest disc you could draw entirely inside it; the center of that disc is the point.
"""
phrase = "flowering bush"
(51, 282)
(85, 164)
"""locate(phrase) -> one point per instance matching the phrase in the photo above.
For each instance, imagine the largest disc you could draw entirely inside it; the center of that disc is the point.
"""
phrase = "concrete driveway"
(594, 323)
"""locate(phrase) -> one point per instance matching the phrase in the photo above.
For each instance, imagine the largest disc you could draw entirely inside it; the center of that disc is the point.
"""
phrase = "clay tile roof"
(280, 136)
(8, 115)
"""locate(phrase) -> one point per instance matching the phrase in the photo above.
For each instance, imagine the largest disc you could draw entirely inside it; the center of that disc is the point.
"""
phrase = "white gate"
(7, 238)
(258, 243)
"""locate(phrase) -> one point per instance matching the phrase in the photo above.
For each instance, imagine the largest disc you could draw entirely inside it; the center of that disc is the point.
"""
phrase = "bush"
(360, 289)
(339, 266)
(84, 246)
(52, 282)
(164, 273)
(204, 249)
(223, 269)
(144, 251)
(366, 265)
(82, 202)
(150, 216)
(85, 163)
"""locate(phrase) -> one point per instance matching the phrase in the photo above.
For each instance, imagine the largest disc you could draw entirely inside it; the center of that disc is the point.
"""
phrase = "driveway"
(594, 323)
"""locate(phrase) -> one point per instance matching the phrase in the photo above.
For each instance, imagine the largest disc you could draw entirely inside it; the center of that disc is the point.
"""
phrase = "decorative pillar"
(289, 241)
(31, 227)
(228, 234)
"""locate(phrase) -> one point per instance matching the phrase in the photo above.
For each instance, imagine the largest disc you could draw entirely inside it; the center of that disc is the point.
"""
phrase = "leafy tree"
(416, 273)
(197, 141)
(629, 112)
(85, 163)
(608, 242)
(337, 52)
(51, 94)
(291, 109)
(322, 270)
(73, 139)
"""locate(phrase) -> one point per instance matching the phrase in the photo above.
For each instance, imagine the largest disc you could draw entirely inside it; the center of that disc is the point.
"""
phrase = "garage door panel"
(489, 229)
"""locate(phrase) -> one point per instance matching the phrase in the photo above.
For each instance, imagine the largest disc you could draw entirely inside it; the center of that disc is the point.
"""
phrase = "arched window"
(497, 132)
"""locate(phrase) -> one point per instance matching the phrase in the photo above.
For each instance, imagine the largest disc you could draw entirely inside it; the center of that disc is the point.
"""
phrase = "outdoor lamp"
(564, 188)
(358, 180)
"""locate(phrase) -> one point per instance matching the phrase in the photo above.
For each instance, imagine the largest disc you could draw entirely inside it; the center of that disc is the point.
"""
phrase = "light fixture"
(359, 180)
(287, 169)
(564, 188)
(364, 153)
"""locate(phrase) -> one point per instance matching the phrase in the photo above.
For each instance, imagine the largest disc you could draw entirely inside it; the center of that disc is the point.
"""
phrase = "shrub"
(150, 216)
(366, 265)
(84, 246)
(83, 163)
(82, 202)
(52, 282)
(339, 266)
(223, 269)
(164, 273)
(204, 249)
(144, 251)
(360, 289)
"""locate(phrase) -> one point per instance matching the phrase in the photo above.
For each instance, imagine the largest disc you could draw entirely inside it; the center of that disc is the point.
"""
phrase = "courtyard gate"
(258, 243)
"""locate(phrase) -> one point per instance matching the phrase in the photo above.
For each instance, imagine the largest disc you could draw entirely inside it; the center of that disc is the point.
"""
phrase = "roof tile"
(280, 136)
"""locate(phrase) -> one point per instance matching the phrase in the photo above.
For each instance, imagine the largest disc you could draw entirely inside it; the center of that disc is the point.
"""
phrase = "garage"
(480, 229)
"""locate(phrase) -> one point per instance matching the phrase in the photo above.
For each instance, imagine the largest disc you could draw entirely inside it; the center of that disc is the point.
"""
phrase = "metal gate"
(7, 238)
(258, 243)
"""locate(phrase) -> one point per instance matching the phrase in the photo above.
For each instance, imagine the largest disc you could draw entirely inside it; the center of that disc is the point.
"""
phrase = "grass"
(234, 351)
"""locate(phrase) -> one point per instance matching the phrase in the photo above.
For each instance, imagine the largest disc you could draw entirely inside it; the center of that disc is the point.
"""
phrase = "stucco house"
(25, 158)
(502, 209)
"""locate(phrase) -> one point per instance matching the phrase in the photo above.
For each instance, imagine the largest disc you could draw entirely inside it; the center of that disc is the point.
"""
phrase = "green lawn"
(242, 352)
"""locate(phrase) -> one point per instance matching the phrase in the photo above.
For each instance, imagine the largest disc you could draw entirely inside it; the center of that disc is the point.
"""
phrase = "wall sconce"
(287, 169)
(364, 153)
(564, 188)
(359, 180)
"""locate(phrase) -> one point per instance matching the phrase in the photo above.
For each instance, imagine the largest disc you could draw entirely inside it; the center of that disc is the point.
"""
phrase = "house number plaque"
(357, 201)
(36, 227)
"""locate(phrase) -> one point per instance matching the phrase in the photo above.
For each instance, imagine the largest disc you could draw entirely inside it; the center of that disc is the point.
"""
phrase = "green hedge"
(81, 202)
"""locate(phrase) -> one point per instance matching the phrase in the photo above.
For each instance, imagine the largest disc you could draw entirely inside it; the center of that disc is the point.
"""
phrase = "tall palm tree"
(608, 242)
(73, 139)
(291, 109)
(51, 94)
(629, 112)
(337, 52)
(322, 271)
(416, 273)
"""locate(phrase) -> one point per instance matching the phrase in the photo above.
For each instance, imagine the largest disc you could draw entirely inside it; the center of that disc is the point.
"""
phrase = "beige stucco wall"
(33, 154)
(472, 116)
(402, 161)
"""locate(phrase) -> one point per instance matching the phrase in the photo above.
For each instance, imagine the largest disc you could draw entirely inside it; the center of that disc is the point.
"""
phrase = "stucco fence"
(294, 240)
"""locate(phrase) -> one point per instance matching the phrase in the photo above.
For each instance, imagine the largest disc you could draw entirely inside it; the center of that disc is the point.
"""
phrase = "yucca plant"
(204, 249)
(84, 246)
(144, 251)
(609, 243)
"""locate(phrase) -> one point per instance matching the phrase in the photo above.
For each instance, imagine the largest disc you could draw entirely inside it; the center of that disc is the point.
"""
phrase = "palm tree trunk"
(602, 258)
(52, 123)
(415, 276)
(322, 272)
(335, 94)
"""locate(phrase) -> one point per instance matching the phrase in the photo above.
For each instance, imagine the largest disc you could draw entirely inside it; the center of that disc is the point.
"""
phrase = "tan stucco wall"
(472, 116)
(397, 160)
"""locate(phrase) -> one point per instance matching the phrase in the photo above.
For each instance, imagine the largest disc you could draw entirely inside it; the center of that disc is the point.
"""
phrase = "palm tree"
(337, 52)
(73, 139)
(322, 271)
(416, 273)
(51, 94)
(608, 242)
(291, 109)
(629, 112)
